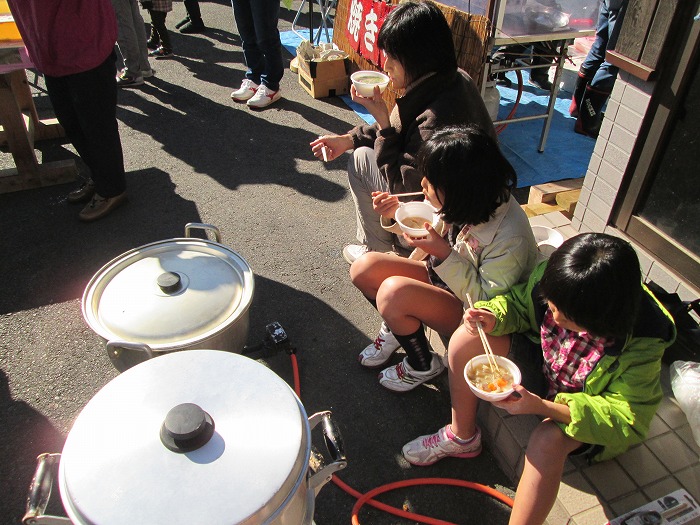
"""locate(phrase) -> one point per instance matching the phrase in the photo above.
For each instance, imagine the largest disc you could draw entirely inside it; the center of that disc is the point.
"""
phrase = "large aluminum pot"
(193, 437)
(176, 294)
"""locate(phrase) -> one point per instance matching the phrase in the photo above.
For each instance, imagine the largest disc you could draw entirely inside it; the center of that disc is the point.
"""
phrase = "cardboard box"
(320, 76)
(322, 86)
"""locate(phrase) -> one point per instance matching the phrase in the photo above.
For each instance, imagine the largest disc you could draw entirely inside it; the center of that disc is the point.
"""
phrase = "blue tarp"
(566, 154)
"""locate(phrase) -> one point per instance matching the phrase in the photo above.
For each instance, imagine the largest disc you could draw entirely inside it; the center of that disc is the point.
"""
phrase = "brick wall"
(626, 109)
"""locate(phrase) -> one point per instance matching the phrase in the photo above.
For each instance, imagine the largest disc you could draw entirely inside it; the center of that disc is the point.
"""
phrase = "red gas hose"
(518, 74)
(295, 371)
(366, 498)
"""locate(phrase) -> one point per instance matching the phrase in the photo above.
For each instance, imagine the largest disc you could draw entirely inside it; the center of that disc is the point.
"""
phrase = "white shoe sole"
(262, 104)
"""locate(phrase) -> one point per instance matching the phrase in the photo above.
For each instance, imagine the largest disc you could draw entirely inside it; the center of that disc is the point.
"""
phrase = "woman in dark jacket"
(420, 60)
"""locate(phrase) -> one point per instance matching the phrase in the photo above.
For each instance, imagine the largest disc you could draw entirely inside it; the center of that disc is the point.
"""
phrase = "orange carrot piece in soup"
(491, 387)
(501, 382)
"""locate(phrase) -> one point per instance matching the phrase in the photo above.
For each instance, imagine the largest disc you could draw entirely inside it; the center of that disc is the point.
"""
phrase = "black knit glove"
(147, 4)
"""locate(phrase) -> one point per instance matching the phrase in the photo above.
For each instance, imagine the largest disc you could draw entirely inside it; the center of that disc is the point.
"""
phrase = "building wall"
(626, 109)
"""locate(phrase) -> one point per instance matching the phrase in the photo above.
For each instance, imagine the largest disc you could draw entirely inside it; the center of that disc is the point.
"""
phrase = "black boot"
(193, 26)
(590, 114)
(194, 14)
(417, 349)
(182, 22)
(579, 89)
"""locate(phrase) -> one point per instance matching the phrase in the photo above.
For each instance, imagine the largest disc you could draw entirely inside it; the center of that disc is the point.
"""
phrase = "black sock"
(417, 349)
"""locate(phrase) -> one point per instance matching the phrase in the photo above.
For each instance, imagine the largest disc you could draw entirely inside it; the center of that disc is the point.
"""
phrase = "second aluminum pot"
(197, 437)
(176, 294)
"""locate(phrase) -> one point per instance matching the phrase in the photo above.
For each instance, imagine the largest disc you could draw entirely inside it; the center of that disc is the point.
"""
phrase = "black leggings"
(158, 26)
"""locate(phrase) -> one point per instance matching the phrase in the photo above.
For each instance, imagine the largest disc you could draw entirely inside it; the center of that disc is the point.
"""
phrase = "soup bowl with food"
(412, 216)
(489, 386)
(364, 82)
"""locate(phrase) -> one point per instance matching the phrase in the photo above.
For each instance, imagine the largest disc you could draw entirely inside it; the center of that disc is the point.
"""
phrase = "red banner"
(352, 30)
(365, 19)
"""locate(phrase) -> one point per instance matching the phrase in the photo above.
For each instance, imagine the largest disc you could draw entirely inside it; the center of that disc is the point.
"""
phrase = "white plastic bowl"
(503, 362)
(548, 240)
(416, 209)
(364, 82)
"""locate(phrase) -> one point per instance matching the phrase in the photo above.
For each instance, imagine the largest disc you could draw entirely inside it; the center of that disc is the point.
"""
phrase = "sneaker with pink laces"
(426, 450)
(380, 351)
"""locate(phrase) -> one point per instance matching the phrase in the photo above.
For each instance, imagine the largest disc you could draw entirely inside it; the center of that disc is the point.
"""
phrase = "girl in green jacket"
(599, 335)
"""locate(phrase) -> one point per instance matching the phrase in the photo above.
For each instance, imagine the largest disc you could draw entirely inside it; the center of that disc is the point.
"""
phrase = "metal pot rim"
(229, 307)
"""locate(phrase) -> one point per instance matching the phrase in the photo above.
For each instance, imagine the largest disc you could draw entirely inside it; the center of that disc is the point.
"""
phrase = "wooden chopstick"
(410, 194)
(484, 341)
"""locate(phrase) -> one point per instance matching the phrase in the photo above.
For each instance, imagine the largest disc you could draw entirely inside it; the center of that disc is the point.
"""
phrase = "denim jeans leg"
(254, 60)
(265, 18)
(596, 55)
(364, 177)
(604, 78)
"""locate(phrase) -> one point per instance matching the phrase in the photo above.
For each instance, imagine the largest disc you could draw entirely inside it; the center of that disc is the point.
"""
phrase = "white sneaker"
(245, 92)
(379, 352)
(263, 97)
(352, 252)
(402, 378)
(426, 450)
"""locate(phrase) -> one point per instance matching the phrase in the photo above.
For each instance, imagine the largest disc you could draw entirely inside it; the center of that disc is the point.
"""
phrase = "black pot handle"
(336, 449)
(333, 438)
(40, 491)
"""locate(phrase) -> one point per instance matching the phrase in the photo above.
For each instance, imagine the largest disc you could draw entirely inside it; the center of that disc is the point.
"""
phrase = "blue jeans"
(262, 49)
(603, 73)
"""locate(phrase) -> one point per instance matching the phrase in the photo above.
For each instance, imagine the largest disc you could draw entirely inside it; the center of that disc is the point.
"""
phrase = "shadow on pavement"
(31, 433)
(53, 256)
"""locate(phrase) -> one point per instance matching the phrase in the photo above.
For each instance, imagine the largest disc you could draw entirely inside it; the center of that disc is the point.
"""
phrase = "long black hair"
(467, 165)
(419, 37)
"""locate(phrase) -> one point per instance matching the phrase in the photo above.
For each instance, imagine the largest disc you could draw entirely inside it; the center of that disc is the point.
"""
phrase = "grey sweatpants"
(364, 178)
(131, 38)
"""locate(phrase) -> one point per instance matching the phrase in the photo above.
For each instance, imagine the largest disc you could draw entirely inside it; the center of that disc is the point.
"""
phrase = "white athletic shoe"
(426, 450)
(263, 97)
(352, 252)
(381, 350)
(245, 92)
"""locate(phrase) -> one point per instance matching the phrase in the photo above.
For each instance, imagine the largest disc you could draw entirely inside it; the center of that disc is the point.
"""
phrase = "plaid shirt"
(162, 5)
(568, 356)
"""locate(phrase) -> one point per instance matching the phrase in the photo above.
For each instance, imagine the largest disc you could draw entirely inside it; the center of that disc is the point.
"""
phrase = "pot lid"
(175, 291)
(115, 467)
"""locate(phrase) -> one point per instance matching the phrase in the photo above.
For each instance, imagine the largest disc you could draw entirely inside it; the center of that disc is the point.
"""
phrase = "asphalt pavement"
(193, 155)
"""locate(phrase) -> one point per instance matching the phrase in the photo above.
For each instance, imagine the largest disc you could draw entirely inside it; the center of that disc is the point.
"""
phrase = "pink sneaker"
(426, 450)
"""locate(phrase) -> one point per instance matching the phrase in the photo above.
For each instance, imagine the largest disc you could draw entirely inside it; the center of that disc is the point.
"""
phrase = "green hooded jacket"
(622, 392)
